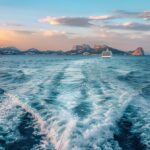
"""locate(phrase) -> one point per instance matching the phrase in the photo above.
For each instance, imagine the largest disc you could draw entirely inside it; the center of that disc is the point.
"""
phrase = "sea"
(74, 103)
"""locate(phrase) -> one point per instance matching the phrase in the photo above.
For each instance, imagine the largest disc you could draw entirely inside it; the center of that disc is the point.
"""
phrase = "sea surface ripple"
(74, 103)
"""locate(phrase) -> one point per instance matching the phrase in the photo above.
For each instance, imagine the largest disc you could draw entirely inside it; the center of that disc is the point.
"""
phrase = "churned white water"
(74, 103)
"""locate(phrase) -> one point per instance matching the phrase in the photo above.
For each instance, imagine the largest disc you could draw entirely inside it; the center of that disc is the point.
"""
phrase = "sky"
(60, 24)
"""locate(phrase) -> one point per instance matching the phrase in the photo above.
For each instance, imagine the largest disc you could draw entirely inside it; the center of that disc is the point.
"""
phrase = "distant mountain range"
(76, 50)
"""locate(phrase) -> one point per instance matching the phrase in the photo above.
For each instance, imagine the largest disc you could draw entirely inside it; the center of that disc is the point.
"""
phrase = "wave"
(48, 132)
(14, 76)
(125, 137)
(23, 128)
(2, 91)
(135, 78)
(96, 126)
(134, 126)
(132, 76)
(146, 91)
(75, 104)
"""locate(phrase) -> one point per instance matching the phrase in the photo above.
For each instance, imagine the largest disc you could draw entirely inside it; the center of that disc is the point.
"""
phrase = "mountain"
(32, 51)
(9, 51)
(101, 48)
(80, 50)
(54, 52)
(137, 52)
(83, 49)
(97, 50)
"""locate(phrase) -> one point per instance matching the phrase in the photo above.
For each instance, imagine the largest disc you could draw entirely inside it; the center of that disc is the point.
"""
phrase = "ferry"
(106, 54)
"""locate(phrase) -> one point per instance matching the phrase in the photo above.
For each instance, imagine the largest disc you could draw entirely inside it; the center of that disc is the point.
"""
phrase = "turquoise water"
(74, 103)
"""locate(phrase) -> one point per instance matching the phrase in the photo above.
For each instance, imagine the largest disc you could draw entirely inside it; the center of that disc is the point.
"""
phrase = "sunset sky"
(60, 24)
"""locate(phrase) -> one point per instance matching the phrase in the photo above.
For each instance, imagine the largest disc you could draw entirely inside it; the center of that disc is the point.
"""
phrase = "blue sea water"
(74, 103)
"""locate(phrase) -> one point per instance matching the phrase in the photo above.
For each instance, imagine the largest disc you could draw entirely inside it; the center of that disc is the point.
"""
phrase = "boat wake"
(78, 105)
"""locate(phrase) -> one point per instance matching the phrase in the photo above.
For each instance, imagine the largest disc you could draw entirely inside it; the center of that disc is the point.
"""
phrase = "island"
(84, 49)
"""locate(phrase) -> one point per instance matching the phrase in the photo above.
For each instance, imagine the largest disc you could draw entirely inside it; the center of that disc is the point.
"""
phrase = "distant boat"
(106, 54)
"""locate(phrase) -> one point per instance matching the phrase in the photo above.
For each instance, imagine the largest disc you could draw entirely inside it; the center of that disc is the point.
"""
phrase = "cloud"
(27, 32)
(67, 21)
(46, 33)
(90, 20)
(128, 26)
(145, 15)
(50, 33)
(108, 34)
(10, 24)
(55, 40)
(14, 24)
(123, 40)
(74, 21)
(103, 17)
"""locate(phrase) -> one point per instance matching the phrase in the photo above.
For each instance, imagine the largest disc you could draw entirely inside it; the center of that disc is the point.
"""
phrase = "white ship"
(106, 54)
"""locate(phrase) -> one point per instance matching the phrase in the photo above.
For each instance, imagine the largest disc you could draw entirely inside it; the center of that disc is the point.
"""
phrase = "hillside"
(137, 52)
(97, 50)
(76, 50)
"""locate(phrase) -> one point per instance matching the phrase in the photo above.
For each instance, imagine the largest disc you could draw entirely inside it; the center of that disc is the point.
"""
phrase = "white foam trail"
(59, 143)
(100, 125)
(60, 125)
(105, 126)
(9, 119)
(141, 120)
